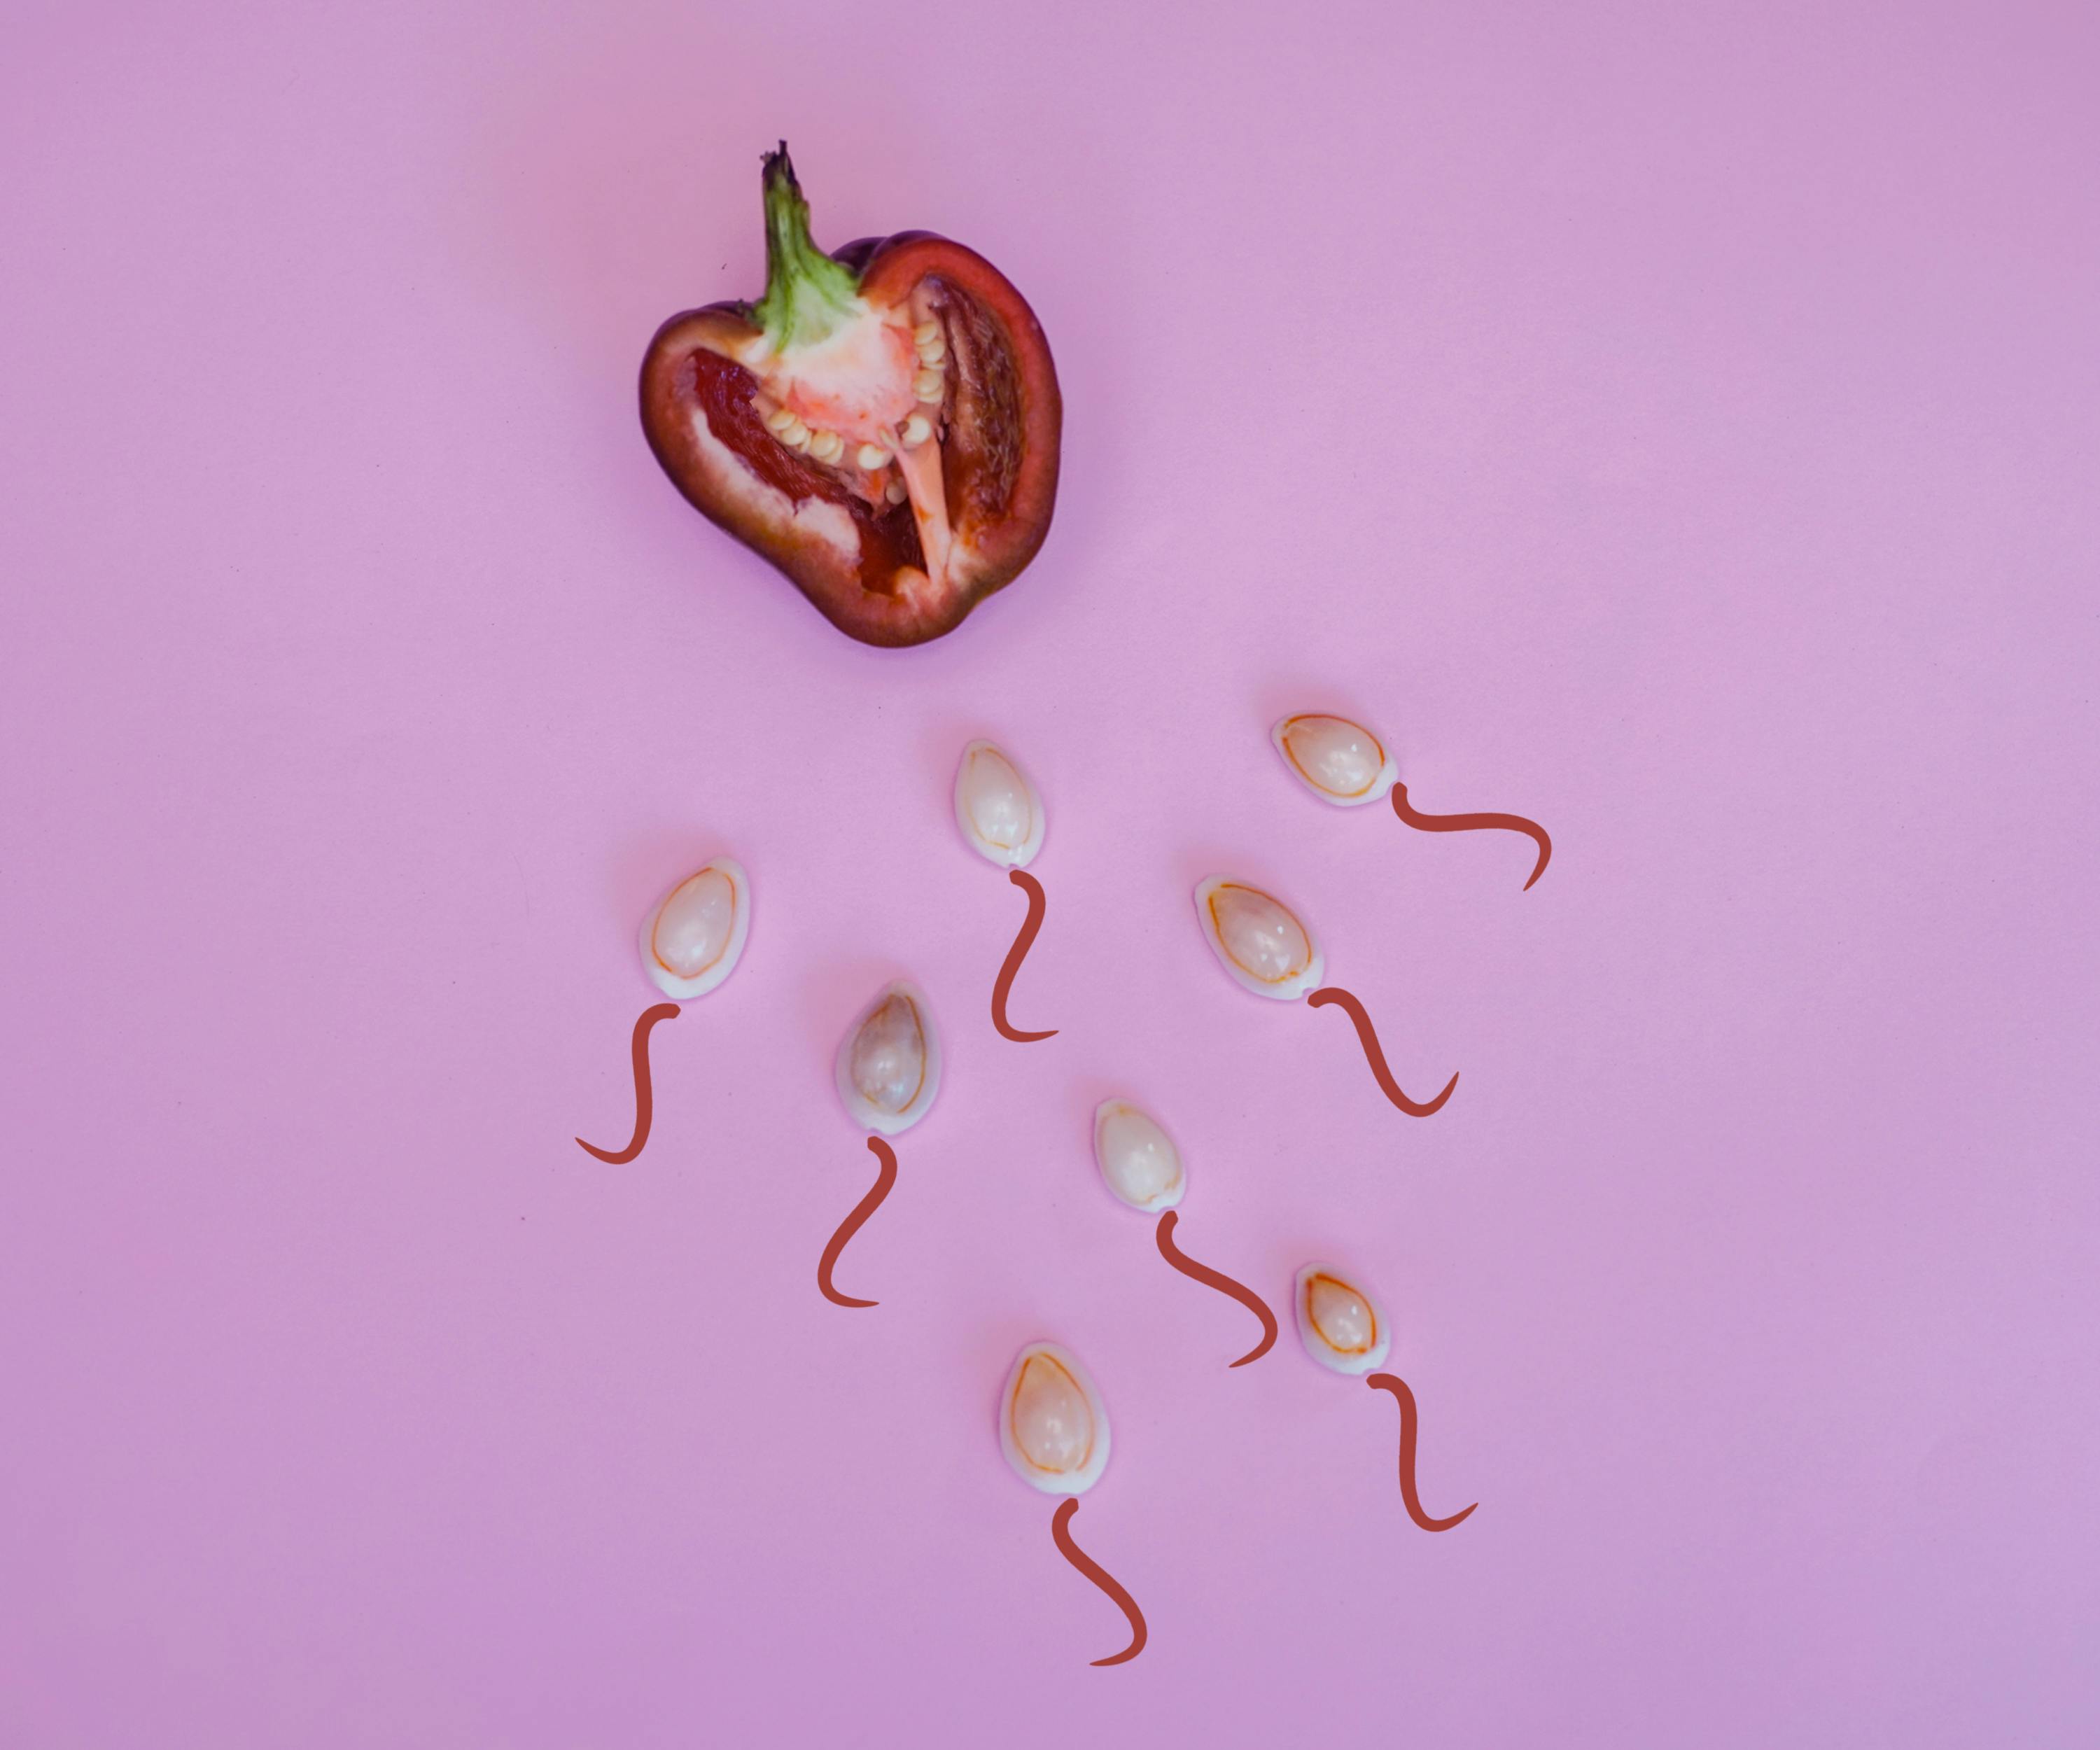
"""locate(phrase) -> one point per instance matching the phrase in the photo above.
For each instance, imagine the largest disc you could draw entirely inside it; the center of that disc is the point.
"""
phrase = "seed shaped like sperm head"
(888, 1065)
(694, 937)
(1258, 939)
(1053, 1427)
(1340, 1322)
(997, 808)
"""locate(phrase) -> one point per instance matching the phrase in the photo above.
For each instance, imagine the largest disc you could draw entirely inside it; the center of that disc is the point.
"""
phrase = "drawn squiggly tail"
(1367, 1035)
(885, 1177)
(1101, 1576)
(1476, 823)
(1407, 1420)
(1225, 1285)
(642, 1098)
(1037, 906)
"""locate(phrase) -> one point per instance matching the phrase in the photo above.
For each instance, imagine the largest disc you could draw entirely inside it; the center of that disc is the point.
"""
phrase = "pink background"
(1676, 423)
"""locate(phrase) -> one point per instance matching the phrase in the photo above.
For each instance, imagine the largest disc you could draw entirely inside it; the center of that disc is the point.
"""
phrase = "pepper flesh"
(760, 414)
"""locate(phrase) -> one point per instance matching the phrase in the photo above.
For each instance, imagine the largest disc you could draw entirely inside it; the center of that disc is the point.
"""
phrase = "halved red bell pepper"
(882, 424)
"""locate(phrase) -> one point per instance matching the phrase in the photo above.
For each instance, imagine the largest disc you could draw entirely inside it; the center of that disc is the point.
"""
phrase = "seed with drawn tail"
(1138, 1159)
(694, 938)
(997, 808)
(1258, 939)
(1053, 1427)
(889, 1065)
(1339, 760)
(1339, 1320)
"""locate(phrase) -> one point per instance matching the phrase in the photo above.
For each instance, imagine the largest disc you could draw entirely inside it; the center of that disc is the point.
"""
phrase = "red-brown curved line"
(1475, 823)
(884, 1179)
(1397, 1387)
(1225, 1285)
(1369, 1037)
(1100, 1577)
(643, 1101)
(1016, 955)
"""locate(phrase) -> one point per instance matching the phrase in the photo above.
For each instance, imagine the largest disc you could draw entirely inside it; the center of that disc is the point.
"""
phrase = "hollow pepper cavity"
(882, 424)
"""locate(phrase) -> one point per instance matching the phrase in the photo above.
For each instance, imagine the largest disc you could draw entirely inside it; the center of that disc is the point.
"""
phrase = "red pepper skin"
(999, 458)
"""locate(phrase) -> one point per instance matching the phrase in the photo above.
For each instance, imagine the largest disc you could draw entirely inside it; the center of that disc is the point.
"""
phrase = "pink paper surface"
(1676, 423)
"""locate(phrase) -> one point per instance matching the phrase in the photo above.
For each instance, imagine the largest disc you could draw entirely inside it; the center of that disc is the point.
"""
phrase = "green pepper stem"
(807, 293)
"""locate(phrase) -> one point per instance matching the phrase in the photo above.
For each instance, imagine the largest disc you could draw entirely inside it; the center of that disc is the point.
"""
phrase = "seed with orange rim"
(1053, 1426)
(693, 939)
(1340, 1321)
(1260, 941)
(888, 1065)
(1338, 761)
